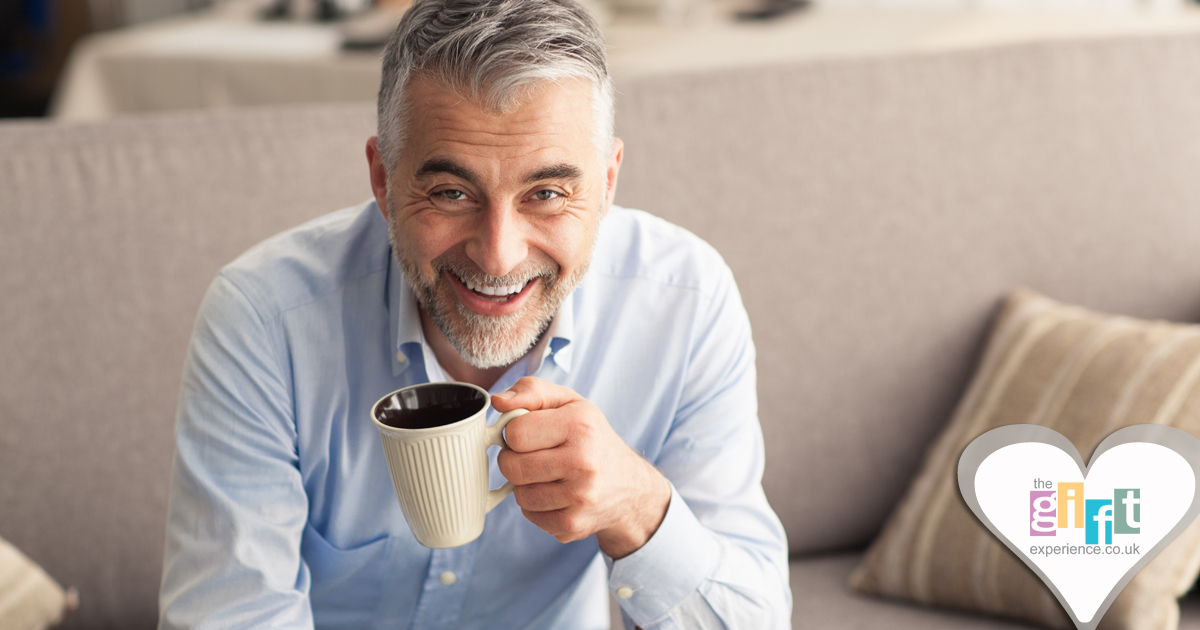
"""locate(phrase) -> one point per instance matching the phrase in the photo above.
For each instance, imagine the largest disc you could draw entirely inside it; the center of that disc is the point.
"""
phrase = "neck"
(453, 363)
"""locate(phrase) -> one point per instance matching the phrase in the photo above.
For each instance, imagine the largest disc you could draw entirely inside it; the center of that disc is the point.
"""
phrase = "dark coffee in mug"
(433, 405)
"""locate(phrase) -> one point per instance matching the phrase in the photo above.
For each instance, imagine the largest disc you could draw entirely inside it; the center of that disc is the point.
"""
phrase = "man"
(491, 254)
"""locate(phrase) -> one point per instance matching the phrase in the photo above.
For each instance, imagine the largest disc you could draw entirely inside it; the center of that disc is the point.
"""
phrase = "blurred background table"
(226, 57)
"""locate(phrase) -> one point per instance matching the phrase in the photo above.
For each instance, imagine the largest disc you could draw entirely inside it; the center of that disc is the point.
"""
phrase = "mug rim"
(487, 398)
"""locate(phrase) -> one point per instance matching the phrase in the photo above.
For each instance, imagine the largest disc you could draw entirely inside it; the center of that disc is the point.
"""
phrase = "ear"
(379, 175)
(614, 168)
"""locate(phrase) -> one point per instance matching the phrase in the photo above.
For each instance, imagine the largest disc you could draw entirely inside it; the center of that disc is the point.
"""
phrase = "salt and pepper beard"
(486, 341)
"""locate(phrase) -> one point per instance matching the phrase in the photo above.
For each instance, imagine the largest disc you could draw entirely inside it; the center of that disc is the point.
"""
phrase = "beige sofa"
(873, 210)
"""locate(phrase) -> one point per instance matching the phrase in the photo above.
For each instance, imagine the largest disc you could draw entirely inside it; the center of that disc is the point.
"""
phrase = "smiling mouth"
(499, 294)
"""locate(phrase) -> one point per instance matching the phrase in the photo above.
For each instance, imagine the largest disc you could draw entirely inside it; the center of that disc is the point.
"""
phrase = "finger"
(565, 525)
(528, 468)
(542, 497)
(538, 430)
(533, 394)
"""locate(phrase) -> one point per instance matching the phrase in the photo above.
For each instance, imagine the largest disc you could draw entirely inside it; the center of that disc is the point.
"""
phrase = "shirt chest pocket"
(346, 583)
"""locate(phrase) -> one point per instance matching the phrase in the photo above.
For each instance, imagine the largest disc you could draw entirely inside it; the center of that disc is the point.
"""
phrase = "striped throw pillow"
(1084, 375)
(29, 599)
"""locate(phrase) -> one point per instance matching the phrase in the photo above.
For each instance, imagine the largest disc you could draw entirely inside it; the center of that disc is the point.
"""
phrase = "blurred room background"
(90, 59)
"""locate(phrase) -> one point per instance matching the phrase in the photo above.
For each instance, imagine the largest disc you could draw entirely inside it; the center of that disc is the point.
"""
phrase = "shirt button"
(624, 592)
(449, 578)
(401, 358)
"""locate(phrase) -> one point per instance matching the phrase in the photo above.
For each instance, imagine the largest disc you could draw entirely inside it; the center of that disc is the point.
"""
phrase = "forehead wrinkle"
(555, 155)
(532, 129)
(533, 125)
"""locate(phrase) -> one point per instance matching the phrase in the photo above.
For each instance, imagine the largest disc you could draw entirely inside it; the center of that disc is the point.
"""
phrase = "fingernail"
(505, 395)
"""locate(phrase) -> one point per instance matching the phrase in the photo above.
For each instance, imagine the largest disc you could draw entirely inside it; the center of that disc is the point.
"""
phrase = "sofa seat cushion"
(822, 598)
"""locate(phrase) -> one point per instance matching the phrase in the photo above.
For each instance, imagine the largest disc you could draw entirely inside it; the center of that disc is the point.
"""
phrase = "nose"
(498, 245)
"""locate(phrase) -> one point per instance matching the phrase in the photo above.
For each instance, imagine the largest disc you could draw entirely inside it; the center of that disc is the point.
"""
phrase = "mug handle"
(495, 435)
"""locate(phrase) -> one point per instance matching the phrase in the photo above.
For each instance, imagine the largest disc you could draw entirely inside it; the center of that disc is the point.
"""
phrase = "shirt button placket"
(443, 593)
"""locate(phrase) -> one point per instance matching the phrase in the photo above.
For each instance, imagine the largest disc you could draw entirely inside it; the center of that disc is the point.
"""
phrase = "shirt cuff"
(653, 580)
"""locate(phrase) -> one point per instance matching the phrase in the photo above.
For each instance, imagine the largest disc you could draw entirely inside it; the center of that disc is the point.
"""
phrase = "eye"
(545, 195)
(452, 200)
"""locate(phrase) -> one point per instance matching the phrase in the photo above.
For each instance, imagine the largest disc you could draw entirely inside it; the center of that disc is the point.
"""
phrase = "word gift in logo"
(1066, 508)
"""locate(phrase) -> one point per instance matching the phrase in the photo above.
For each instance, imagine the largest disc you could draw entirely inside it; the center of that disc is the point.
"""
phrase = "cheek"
(569, 243)
(425, 240)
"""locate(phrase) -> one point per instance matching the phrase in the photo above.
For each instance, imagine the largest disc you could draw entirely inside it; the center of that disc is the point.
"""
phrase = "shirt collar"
(555, 344)
(408, 340)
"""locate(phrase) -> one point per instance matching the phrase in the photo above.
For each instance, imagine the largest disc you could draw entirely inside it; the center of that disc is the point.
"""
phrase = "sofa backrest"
(874, 212)
(109, 235)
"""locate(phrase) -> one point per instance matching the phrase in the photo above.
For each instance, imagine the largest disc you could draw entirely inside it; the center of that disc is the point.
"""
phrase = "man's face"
(493, 216)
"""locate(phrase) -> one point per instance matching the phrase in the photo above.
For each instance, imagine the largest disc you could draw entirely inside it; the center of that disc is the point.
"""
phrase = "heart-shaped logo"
(1086, 530)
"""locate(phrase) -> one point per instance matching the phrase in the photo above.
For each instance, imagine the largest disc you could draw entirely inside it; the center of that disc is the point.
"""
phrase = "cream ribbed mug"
(435, 439)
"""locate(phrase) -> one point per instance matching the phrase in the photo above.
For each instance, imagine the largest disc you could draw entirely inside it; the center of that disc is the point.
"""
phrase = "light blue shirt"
(282, 513)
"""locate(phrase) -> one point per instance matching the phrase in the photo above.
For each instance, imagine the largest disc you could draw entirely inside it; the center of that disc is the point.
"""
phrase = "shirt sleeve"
(237, 507)
(719, 558)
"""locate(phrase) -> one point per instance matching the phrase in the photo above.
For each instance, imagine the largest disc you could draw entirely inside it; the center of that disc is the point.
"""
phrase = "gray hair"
(492, 52)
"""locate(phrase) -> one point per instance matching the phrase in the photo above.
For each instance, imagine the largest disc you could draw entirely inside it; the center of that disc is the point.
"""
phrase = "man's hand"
(574, 475)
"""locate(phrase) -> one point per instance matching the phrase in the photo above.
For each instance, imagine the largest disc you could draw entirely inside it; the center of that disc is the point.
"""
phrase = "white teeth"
(495, 291)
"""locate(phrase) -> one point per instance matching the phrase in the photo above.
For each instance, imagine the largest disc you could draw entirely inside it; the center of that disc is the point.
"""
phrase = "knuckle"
(574, 524)
(523, 468)
(566, 523)
(509, 467)
(515, 437)
(525, 385)
(563, 525)
(587, 466)
(587, 497)
(528, 498)
(517, 465)
(582, 430)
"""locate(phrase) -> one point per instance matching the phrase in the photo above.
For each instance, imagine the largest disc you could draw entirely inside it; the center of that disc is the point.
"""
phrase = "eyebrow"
(558, 171)
(441, 165)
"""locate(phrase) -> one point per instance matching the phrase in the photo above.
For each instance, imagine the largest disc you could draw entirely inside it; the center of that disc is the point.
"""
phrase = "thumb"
(533, 394)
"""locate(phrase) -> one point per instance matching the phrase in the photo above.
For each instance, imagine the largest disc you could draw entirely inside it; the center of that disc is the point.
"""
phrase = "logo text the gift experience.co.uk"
(1065, 508)
(1086, 541)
